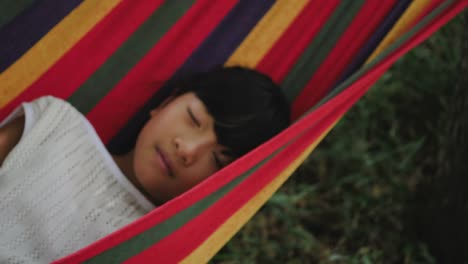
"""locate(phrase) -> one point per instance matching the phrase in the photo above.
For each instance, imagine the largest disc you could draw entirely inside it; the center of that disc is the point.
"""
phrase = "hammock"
(109, 58)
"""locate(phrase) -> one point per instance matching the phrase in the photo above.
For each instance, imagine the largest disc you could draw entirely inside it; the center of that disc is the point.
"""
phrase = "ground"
(350, 202)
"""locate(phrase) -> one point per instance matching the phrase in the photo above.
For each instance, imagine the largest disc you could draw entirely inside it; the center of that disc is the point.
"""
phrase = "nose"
(187, 150)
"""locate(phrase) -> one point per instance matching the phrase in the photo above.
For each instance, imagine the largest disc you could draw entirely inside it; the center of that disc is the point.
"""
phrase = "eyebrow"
(192, 116)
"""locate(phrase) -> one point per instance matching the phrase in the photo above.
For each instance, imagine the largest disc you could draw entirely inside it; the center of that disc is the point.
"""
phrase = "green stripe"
(153, 235)
(9, 9)
(128, 55)
(391, 48)
(320, 47)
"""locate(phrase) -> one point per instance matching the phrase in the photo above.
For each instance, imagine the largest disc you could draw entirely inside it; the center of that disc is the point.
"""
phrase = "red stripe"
(187, 238)
(226, 175)
(359, 31)
(158, 65)
(196, 231)
(82, 60)
(427, 10)
(168, 55)
(281, 57)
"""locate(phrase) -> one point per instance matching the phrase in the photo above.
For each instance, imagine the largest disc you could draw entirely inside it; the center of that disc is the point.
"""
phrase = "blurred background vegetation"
(351, 201)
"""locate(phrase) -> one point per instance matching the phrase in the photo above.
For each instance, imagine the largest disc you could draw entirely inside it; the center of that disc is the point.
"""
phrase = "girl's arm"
(10, 135)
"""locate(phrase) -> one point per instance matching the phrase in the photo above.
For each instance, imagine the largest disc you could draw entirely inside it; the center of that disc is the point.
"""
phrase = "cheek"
(204, 169)
(151, 128)
(165, 189)
(144, 173)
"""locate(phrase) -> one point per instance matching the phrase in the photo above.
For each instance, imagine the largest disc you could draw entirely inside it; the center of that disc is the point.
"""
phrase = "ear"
(156, 110)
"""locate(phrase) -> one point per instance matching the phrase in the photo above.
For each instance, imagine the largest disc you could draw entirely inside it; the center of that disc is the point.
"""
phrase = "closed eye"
(192, 116)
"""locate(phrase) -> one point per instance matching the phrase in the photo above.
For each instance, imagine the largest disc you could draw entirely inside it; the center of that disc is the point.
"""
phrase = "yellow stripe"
(51, 47)
(248, 54)
(266, 33)
(225, 232)
(408, 18)
(230, 227)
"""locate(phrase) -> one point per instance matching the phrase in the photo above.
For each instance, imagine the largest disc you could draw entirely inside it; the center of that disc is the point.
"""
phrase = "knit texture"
(59, 188)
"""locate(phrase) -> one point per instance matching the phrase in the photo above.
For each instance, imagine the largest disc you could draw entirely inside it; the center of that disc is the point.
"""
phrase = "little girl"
(60, 189)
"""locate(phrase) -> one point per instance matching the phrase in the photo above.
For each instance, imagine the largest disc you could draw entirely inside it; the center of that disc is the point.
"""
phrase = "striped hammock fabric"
(110, 58)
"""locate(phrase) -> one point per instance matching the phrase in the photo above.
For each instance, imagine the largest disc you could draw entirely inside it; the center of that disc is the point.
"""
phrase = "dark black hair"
(248, 107)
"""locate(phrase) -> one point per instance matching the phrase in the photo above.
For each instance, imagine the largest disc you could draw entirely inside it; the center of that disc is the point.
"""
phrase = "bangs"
(248, 107)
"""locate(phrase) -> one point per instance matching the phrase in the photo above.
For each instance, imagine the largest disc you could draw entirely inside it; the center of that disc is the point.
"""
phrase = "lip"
(164, 162)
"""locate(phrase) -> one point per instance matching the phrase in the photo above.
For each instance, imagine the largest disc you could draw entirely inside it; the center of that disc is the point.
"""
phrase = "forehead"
(191, 100)
(187, 97)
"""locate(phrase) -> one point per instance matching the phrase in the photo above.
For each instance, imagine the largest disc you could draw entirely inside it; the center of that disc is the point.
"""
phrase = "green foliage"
(347, 203)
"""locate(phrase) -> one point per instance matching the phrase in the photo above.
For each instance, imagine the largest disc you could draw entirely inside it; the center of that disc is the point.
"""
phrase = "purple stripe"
(214, 51)
(230, 33)
(374, 41)
(31, 25)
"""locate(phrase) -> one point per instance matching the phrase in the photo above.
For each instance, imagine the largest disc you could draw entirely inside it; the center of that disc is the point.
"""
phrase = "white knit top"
(60, 189)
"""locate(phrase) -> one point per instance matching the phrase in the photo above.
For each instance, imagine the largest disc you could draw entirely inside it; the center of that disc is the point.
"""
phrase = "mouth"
(164, 162)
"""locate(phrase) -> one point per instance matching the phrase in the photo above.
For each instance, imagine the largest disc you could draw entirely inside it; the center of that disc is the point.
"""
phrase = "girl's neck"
(125, 164)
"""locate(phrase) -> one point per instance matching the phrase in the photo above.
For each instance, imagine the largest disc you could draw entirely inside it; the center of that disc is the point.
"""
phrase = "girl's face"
(177, 148)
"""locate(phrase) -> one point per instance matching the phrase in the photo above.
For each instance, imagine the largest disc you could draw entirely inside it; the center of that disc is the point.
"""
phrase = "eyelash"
(195, 121)
(193, 118)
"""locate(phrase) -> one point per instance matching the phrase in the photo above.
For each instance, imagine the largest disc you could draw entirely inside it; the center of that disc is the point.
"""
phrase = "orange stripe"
(406, 20)
(266, 33)
(37, 60)
(234, 223)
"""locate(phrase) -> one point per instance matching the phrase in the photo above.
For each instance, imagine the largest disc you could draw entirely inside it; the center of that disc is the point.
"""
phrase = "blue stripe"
(26, 29)
(225, 39)
(9, 9)
(214, 51)
(374, 41)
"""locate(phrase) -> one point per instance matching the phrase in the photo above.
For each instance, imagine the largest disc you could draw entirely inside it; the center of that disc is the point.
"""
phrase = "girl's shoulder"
(48, 100)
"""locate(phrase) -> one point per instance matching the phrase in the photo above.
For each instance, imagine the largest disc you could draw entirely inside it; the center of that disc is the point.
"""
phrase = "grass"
(348, 203)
